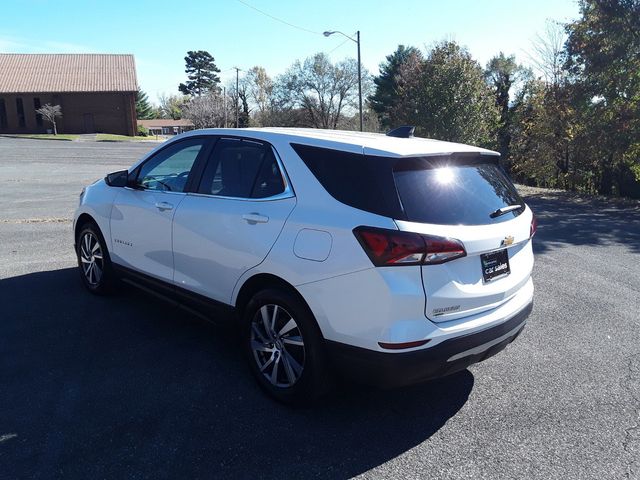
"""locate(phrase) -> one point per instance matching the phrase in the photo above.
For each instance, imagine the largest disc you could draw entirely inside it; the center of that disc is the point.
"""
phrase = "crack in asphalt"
(36, 220)
(632, 433)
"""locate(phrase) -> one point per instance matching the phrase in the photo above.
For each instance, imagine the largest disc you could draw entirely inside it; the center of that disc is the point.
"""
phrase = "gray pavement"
(126, 387)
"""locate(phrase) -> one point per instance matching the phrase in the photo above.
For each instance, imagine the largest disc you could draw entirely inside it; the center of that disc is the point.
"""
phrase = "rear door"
(472, 200)
(233, 219)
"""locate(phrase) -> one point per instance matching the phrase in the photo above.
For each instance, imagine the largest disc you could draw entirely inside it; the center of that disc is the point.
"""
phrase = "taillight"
(440, 249)
(393, 247)
(534, 225)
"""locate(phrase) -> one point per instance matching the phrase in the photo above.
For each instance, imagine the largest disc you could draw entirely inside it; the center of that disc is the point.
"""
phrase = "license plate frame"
(495, 265)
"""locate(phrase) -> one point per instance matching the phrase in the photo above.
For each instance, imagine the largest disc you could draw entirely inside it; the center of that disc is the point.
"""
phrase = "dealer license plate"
(495, 264)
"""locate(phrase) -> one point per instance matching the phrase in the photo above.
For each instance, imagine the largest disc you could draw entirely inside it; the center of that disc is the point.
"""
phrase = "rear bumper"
(390, 370)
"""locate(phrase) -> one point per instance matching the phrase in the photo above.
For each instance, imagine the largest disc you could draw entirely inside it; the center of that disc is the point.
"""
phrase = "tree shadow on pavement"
(566, 219)
(127, 386)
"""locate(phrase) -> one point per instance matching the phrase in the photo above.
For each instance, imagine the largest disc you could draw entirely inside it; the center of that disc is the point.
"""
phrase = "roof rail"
(405, 131)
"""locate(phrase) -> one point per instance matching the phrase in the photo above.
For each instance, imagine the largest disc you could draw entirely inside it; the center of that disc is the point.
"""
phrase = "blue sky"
(159, 32)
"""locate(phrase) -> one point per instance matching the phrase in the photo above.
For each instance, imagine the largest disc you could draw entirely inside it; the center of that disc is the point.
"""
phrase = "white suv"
(389, 258)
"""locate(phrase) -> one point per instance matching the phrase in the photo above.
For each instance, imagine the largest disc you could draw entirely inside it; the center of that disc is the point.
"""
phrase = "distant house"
(95, 92)
(161, 126)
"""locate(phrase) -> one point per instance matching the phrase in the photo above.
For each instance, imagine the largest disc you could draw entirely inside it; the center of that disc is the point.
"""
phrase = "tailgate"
(458, 288)
(470, 199)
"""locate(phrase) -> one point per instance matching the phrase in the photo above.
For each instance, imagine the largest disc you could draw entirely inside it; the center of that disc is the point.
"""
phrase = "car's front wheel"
(93, 261)
(284, 347)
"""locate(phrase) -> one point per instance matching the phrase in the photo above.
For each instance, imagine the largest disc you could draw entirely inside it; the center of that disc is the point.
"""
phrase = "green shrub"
(143, 131)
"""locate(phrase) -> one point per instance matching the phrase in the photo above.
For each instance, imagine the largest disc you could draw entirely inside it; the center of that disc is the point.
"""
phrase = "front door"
(231, 223)
(142, 213)
(89, 125)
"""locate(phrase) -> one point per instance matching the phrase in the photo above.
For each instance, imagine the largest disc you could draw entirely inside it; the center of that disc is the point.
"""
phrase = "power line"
(278, 19)
(330, 52)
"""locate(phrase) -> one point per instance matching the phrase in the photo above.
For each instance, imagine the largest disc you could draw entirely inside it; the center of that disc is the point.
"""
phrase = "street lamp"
(357, 41)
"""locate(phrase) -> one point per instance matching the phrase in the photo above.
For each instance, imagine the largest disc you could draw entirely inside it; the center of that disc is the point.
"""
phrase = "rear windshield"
(463, 192)
(459, 189)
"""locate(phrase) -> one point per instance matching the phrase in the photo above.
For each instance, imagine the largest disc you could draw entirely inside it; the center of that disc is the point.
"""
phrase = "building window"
(20, 109)
(36, 106)
(3, 114)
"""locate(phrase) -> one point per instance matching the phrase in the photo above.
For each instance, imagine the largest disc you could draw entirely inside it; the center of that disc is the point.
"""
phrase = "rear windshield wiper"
(503, 210)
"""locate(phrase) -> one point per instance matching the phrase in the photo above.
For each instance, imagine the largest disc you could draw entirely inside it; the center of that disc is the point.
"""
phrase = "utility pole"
(224, 104)
(237, 97)
(359, 80)
(328, 33)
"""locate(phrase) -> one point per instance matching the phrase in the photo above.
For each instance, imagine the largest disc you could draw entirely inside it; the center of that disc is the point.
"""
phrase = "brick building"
(164, 126)
(95, 92)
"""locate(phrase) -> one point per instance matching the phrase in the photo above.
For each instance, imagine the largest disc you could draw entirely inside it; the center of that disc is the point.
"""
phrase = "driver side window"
(168, 170)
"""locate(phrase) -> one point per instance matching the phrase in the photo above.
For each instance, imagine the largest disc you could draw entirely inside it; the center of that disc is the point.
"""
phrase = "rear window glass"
(354, 179)
(455, 193)
(241, 169)
(458, 189)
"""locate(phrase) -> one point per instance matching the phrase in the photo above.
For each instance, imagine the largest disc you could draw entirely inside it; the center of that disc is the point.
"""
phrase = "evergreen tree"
(201, 71)
(386, 84)
(144, 110)
(448, 98)
(501, 73)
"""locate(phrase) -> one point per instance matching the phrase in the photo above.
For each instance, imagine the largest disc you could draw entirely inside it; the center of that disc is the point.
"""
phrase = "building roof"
(165, 122)
(44, 73)
(370, 143)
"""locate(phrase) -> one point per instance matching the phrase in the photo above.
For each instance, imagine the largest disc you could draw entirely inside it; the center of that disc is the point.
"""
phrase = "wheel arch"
(262, 281)
(82, 220)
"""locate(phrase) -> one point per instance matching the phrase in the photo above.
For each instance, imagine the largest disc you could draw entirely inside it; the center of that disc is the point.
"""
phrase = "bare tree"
(206, 111)
(171, 106)
(323, 90)
(240, 99)
(548, 53)
(50, 113)
(260, 89)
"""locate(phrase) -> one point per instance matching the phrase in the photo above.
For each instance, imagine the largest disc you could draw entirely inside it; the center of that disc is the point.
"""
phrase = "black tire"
(99, 279)
(313, 380)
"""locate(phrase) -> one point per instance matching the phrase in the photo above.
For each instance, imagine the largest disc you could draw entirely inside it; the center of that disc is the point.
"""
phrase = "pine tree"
(144, 110)
(385, 96)
(201, 71)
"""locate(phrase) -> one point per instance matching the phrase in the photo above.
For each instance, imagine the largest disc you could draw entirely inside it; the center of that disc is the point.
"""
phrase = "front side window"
(242, 169)
(169, 169)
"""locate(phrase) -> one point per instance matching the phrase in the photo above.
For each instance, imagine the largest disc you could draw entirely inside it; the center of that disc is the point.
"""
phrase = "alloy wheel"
(91, 259)
(277, 345)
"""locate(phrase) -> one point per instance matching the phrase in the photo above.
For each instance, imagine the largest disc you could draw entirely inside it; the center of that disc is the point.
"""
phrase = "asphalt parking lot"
(126, 387)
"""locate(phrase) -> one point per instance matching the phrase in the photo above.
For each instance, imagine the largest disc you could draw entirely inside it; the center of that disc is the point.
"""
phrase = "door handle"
(162, 206)
(253, 218)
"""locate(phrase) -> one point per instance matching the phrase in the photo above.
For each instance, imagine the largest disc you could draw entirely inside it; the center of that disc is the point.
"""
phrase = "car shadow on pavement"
(128, 386)
(564, 219)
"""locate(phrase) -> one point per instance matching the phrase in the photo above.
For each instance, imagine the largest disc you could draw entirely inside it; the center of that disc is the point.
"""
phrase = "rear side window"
(455, 192)
(362, 182)
(242, 169)
(458, 189)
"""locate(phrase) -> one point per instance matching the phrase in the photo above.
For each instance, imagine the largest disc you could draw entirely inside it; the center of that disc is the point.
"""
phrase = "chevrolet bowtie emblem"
(507, 241)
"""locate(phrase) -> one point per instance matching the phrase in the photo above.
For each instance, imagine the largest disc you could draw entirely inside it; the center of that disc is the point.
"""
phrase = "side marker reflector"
(402, 346)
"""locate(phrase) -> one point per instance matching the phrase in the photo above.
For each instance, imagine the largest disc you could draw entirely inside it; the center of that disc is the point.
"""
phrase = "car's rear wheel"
(284, 347)
(94, 263)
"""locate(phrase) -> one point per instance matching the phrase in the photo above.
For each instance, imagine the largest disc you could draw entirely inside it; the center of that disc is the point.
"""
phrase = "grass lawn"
(108, 137)
(45, 136)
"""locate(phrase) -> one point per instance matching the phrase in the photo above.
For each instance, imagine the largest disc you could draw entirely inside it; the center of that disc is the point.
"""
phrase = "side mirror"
(117, 179)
